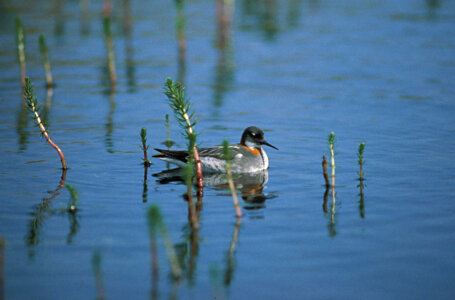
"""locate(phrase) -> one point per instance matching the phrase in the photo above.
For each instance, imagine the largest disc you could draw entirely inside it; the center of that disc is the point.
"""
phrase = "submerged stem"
(238, 211)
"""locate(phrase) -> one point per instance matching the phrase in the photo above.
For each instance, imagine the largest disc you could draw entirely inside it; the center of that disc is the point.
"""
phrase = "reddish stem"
(200, 180)
(324, 171)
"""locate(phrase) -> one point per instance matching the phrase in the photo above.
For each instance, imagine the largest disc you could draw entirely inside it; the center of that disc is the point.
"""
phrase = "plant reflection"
(265, 13)
(332, 217)
(224, 72)
(40, 213)
(59, 28)
(144, 185)
(21, 127)
(361, 200)
(43, 211)
(230, 264)
(129, 47)
(188, 252)
(72, 209)
(47, 106)
(85, 16)
(433, 6)
(110, 123)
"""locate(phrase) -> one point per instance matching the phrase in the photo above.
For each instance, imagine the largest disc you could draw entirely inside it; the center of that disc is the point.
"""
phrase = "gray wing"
(217, 152)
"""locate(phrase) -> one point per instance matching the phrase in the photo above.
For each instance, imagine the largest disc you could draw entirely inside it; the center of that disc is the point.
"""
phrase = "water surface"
(373, 72)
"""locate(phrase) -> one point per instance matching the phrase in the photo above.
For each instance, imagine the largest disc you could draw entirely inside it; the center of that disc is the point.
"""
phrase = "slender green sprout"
(32, 101)
(331, 139)
(110, 50)
(181, 107)
(361, 161)
(156, 224)
(168, 142)
(145, 147)
(227, 158)
(98, 273)
(47, 65)
(20, 41)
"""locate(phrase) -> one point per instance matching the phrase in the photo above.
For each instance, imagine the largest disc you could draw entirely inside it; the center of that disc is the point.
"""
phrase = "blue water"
(375, 72)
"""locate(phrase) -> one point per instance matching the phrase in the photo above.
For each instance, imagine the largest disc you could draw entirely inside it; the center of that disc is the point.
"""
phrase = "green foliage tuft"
(331, 138)
(144, 136)
(29, 94)
(175, 93)
(360, 150)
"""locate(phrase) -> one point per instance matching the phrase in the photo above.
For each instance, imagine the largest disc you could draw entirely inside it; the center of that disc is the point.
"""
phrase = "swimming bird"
(248, 156)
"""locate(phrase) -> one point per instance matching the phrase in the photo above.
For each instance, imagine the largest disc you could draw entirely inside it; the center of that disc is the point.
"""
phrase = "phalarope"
(248, 156)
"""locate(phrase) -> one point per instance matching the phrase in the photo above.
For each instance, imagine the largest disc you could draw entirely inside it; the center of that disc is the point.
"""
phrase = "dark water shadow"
(331, 214)
(249, 185)
(109, 126)
(361, 186)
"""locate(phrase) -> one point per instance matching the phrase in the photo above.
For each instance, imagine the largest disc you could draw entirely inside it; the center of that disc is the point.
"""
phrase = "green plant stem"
(30, 97)
(20, 40)
(47, 65)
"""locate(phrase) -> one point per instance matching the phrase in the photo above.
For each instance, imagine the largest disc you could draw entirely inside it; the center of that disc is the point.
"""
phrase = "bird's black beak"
(264, 142)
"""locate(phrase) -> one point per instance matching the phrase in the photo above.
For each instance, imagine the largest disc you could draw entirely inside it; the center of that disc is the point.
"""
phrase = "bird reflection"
(250, 185)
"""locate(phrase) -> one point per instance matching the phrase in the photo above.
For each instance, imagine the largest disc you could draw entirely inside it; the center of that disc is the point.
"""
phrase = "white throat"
(252, 144)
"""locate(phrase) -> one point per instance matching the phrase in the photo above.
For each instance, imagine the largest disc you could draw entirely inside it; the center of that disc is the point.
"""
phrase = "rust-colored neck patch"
(254, 151)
